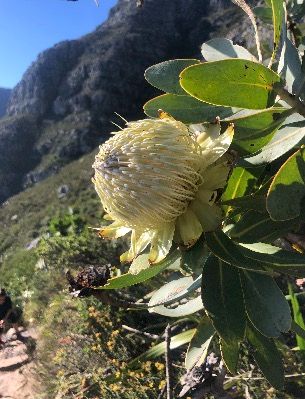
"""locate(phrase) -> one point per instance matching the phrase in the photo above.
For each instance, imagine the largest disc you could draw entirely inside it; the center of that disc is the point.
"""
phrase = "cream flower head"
(158, 179)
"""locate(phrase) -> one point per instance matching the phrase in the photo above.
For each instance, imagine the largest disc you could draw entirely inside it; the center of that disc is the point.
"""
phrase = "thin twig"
(146, 334)
(169, 391)
(245, 7)
(162, 392)
(237, 377)
(290, 99)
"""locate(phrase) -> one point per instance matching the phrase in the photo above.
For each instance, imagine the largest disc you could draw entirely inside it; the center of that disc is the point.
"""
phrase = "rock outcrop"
(65, 102)
(4, 99)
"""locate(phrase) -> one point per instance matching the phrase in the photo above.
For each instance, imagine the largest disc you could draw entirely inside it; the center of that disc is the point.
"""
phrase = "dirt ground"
(17, 380)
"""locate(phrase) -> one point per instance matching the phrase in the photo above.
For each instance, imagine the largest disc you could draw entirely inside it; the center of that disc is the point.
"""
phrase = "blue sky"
(29, 26)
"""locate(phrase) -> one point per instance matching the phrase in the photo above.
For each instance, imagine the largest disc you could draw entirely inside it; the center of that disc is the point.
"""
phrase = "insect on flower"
(158, 179)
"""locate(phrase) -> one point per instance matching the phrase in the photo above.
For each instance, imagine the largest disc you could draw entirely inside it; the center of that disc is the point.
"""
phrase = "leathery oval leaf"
(265, 304)
(148, 271)
(287, 190)
(220, 49)
(186, 109)
(229, 82)
(267, 357)
(199, 345)
(226, 311)
(165, 75)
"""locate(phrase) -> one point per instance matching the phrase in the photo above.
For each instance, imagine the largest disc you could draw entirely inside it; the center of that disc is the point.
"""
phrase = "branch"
(162, 392)
(169, 391)
(290, 99)
(245, 7)
(146, 334)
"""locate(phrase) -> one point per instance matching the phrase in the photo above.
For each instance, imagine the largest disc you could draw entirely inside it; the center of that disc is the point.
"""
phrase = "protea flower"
(158, 179)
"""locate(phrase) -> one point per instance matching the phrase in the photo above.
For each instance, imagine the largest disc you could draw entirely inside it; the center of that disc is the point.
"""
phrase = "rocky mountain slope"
(4, 98)
(64, 104)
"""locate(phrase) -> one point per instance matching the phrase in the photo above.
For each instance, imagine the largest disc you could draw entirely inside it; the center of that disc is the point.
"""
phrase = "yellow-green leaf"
(232, 82)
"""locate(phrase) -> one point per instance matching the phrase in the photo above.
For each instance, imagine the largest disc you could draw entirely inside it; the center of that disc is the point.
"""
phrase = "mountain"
(4, 98)
(64, 104)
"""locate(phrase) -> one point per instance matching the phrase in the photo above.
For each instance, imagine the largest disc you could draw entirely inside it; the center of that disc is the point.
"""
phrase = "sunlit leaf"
(126, 280)
(172, 292)
(290, 66)
(229, 82)
(199, 345)
(159, 349)
(287, 190)
(254, 130)
(190, 307)
(297, 316)
(277, 7)
(240, 183)
(284, 140)
(220, 49)
(298, 329)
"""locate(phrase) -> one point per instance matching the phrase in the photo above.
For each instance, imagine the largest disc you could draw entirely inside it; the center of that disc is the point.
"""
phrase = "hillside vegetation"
(80, 339)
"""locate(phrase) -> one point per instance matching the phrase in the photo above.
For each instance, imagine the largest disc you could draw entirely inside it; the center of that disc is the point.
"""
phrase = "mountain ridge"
(64, 104)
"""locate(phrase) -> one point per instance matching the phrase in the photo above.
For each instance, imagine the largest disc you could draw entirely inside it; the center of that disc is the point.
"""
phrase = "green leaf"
(285, 139)
(149, 271)
(192, 259)
(219, 281)
(240, 183)
(297, 316)
(254, 226)
(298, 329)
(264, 13)
(190, 307)
(165, 76)
(159, 349)
(267, 357)
(173, 292)
(230, 354)
(266, 306)
(186, 109)
(199, 345)
(254, 130)
(229, 82)
(224, 248)
(275, 258)
(277, 19)
(290, 66)
(220, 49)
(248, 202)
(287, 190)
